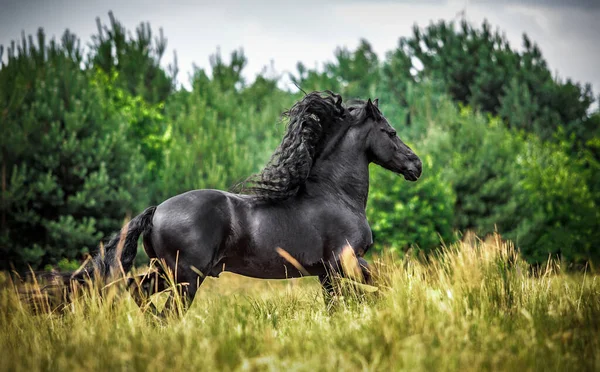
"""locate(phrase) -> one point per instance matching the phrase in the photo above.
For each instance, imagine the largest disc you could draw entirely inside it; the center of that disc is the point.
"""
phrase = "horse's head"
(383, 145)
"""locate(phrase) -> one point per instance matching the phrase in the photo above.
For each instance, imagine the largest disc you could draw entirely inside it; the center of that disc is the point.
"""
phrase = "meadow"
(476, 305)
(93, 134)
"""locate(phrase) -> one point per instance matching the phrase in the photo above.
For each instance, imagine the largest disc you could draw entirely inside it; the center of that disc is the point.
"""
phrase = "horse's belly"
(275, 263)
(260, 270)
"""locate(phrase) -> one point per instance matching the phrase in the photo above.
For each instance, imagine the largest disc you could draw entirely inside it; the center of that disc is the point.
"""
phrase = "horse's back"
(191, 207)
(191, 227)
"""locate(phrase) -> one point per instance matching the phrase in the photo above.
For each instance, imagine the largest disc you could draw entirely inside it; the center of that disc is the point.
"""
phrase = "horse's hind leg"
(142, 287)
(182, 293)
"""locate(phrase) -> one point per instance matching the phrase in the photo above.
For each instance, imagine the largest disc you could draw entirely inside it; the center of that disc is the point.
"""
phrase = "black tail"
(117, 256)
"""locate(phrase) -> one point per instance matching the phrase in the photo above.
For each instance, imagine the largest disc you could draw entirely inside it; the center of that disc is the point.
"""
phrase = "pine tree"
(67, 165)
(137, 60)
(479, 68)
(129, 66)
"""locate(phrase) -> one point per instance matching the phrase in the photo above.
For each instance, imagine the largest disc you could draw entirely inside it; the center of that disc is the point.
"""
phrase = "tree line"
(90, 136)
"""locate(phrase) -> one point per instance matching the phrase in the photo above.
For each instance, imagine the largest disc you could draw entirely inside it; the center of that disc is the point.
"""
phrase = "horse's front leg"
(333, 272)
(365, 268)
(329, 293)
(329, 279)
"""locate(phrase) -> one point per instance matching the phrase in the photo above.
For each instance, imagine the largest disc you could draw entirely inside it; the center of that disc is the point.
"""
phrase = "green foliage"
(404, 215)
(530, 191)
(479, 68)
(353, 74)
(145, 123)
(561, 214)
(357, 71)
(68, 166)
(135, 59)
(477, 159)
(85, 140)
(311, 80)
(222, 131)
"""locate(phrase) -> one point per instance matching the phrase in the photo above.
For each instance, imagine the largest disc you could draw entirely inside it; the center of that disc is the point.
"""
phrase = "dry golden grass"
(474, 306)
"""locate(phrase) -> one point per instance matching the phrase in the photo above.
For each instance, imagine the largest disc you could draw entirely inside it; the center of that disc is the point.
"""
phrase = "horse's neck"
(342, 176)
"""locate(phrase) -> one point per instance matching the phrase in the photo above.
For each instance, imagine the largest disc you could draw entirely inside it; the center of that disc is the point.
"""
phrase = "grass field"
(474, 307)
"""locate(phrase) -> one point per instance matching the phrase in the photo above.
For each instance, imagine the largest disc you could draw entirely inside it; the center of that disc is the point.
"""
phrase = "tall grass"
(474, 306)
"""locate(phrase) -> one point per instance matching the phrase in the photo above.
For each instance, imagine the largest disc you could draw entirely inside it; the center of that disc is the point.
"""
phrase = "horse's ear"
(371, 109)
(338, 104)
(376, 102)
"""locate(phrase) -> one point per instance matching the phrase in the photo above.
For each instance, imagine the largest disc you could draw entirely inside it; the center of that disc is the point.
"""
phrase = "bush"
(405, 214)
(530, 191)
(557, 211)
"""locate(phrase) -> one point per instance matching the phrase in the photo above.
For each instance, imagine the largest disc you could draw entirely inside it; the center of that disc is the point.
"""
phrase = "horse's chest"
(355, 232)
(362, 240)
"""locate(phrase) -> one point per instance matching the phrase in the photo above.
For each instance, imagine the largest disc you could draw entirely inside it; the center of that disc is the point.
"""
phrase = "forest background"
(93, 135)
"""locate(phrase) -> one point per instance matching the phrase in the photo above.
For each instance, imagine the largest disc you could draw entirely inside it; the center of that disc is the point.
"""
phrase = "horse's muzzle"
(413, 172)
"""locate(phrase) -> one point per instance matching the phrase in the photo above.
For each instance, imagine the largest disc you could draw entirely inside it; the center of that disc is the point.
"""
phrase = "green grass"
(474, 307)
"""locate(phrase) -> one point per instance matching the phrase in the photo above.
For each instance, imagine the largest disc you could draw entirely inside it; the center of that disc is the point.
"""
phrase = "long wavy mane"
(310, 121)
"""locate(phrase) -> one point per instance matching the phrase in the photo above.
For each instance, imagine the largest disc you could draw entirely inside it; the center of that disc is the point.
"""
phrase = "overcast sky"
(285, 32)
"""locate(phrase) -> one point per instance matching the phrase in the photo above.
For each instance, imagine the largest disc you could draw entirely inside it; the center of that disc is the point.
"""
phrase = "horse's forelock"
(358, 109)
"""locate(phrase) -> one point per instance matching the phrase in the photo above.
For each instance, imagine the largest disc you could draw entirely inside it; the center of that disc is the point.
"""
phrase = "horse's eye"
(392, 134)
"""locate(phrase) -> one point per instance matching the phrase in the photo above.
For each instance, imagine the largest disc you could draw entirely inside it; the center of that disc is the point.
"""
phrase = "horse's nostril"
(419, 167)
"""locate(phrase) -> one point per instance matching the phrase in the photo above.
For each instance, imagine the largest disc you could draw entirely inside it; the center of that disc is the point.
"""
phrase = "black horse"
(295, 217)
